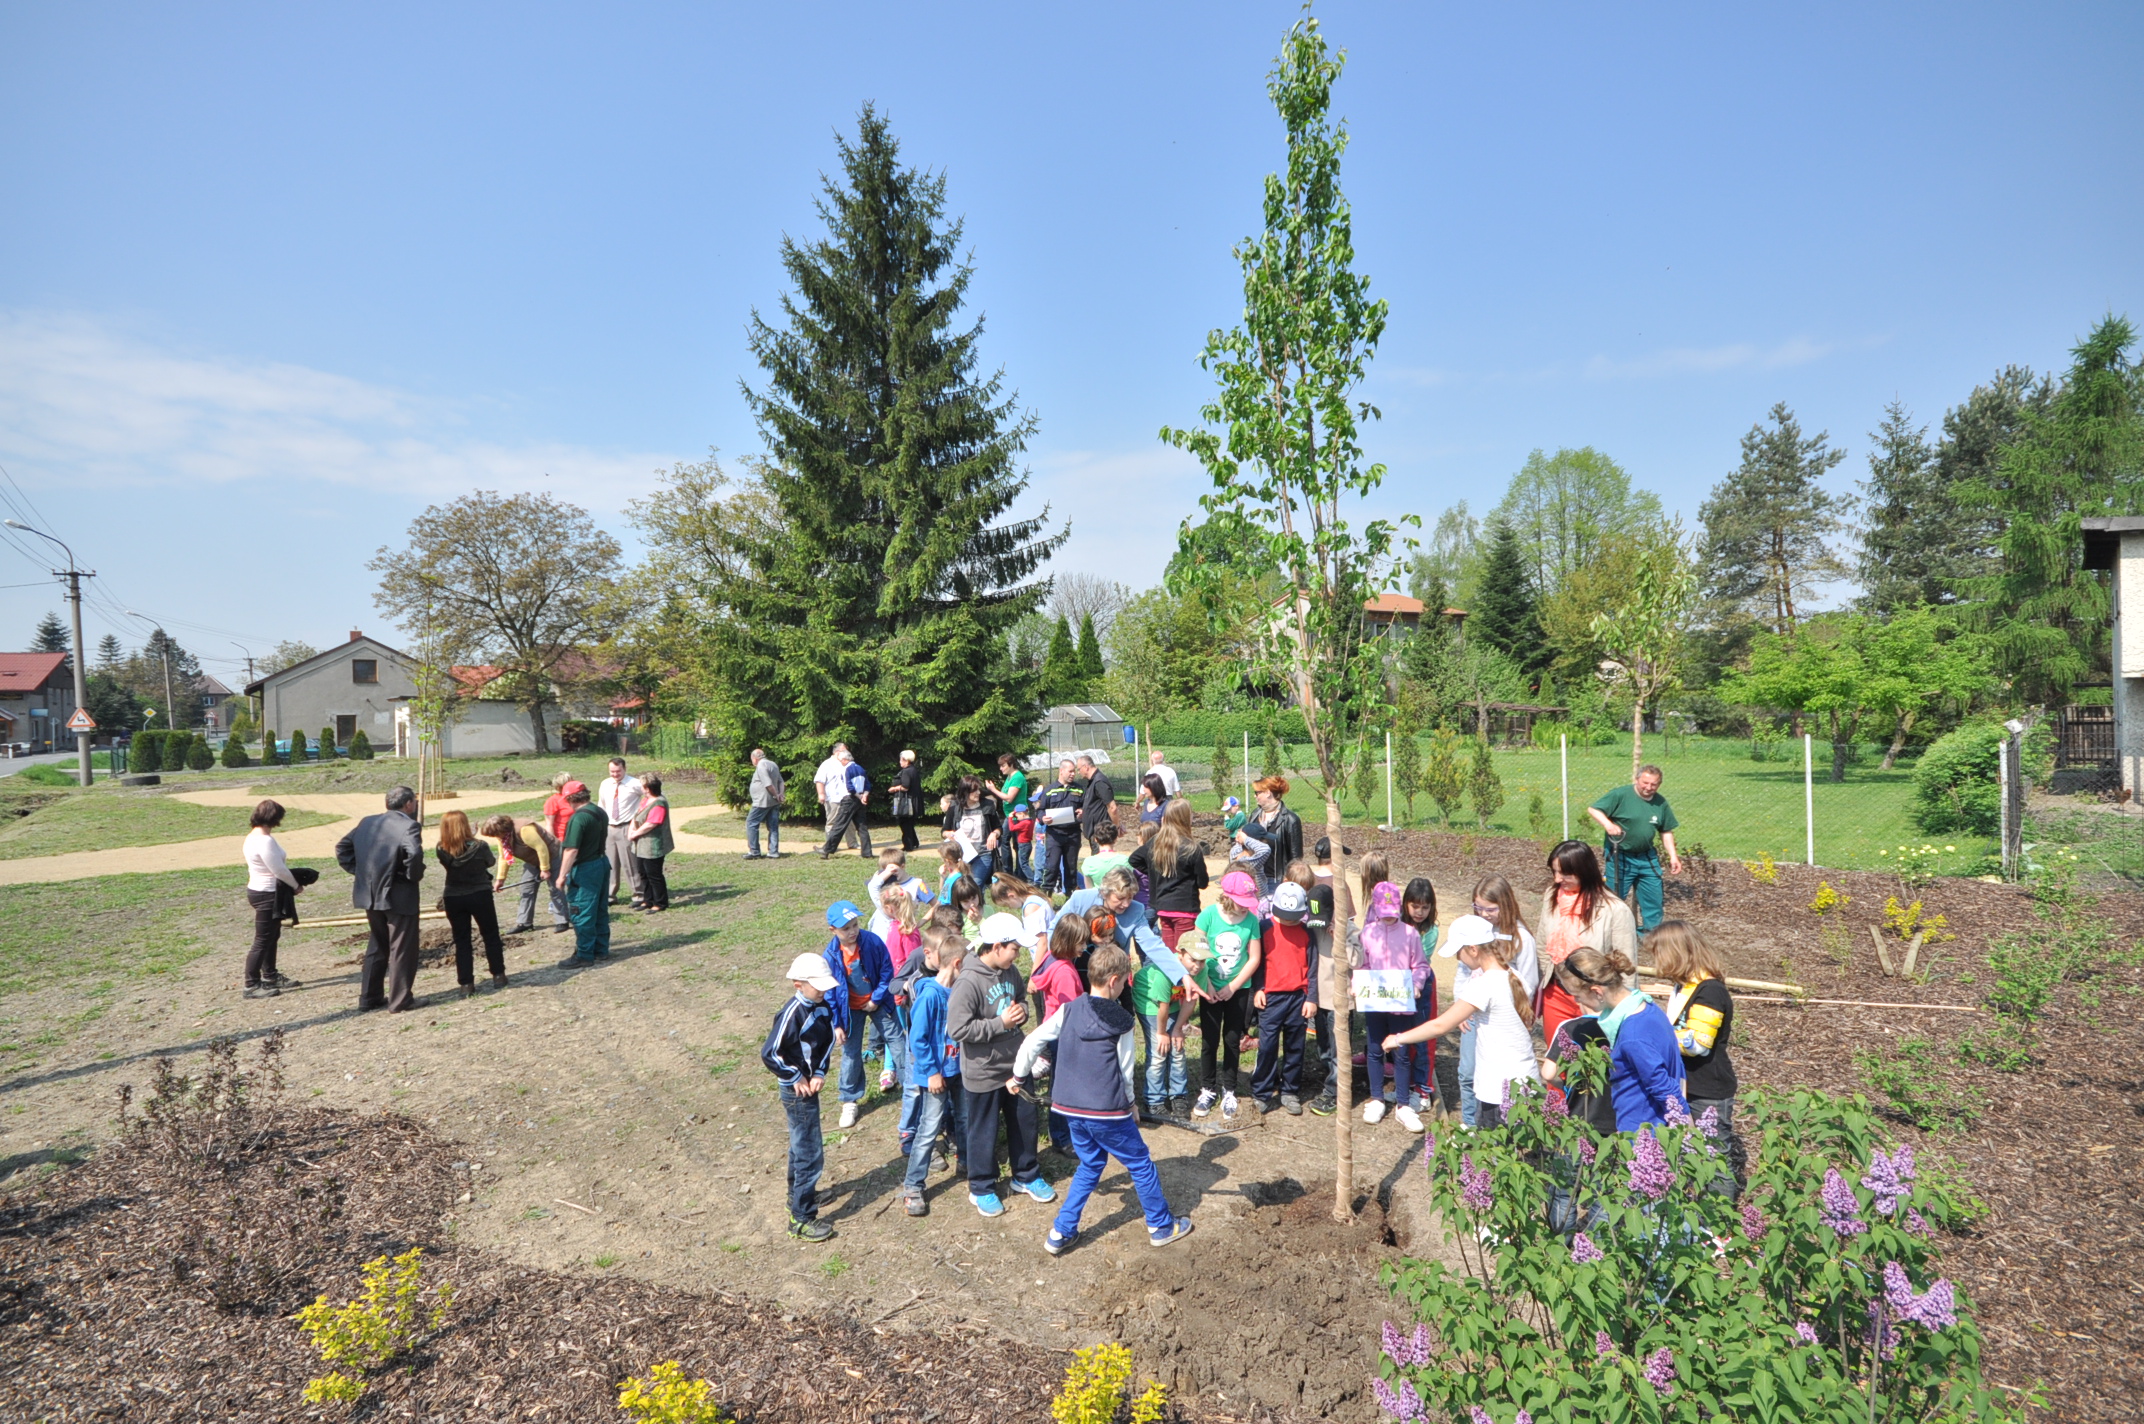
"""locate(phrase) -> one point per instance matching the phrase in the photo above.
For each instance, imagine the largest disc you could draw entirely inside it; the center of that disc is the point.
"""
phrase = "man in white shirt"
(1156, 766)
(844, 813)
(619, 796)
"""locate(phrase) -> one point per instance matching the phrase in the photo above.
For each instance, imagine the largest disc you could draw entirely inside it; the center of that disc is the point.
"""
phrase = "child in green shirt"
(1230, 928)
(1105, 859)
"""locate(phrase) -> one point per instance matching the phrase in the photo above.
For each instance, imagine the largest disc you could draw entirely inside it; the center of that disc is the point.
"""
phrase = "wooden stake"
(1883, 953)
(1865, 1004)
(1913, 952)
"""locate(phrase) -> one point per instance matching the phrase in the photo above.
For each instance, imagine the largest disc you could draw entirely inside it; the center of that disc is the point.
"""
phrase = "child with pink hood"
(1389, 942)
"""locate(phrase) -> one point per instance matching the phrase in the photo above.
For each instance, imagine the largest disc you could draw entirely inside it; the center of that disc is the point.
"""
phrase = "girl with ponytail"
(1504, 1051)
(1645, 1072)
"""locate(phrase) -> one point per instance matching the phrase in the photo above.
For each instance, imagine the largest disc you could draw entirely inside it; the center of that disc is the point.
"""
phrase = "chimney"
(355, 635)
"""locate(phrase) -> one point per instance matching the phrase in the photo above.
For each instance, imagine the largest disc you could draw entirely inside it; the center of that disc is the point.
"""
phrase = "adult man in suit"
(385, 856)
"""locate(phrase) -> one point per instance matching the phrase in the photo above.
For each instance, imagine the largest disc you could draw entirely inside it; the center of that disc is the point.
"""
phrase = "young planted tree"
(1406, 766)
(1282, 445)
(1484, 787)
(1221, 765)
(1366, 756)
(1645, 634)
(1446, 781)
(1276, 759)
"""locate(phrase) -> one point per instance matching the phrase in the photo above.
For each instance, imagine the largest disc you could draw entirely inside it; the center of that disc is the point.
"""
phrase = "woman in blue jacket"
(1645, 1061)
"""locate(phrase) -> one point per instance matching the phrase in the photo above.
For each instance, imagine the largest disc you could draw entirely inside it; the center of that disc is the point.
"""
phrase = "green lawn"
(117, 927)
(107, 816)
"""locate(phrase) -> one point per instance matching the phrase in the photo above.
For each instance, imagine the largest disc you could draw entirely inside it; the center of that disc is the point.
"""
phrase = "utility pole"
(74, 577)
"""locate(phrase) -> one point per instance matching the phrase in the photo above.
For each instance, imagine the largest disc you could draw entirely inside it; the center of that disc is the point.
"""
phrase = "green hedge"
(234, 754)
(147, 753)
(360, 747)
(1203, 729)
(1956, 786)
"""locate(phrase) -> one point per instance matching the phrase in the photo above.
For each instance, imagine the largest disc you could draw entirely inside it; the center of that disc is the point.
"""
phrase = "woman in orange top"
(1578, 910)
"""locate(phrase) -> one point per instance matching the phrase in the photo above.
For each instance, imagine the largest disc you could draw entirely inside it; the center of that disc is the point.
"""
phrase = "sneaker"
(1040, 1190)
(940, 1162)
(1266, 1105)
(885, 1080)
(1057, 1245)
(1228, 1105)
(987, 1203)
(1177, 1231)
(262, 991)
(1291, 1104)
(812, 1231)
(1180, 1105)
(1374, 1110)
(1409, 1119)
(284, 981)
(1204, 1105)
(916, 1205)
(498, 981)
(848, 1114)
(753, 855)
(1325, 1104)
(1149, 1114)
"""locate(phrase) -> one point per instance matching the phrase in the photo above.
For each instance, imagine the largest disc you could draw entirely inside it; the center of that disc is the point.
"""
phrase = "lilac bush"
(1815, 1297)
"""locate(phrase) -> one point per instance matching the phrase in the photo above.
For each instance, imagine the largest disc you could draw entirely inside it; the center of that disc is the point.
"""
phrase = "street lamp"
(163, 650)
(74, 577)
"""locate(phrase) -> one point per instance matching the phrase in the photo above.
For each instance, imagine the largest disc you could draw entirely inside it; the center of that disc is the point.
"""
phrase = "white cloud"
(93, 406)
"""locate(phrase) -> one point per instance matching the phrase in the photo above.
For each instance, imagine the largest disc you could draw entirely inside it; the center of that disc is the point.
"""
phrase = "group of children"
(930, 982)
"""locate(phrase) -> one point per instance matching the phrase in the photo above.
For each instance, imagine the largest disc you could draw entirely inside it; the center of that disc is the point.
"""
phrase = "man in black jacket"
(1099, 804)
(1057, 826)
(385, 856)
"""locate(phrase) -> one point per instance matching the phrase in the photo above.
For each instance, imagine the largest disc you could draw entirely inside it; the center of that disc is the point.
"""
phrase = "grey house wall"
(311, 695)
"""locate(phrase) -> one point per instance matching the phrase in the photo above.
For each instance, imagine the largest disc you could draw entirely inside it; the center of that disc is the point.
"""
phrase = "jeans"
(1166, 1075)
(654, 885)
(267, 933)
(1328, 1051)
(1375, 1027)
(893, 1043)
(981, 869)
(1060, 862)
(1280, 1045)
(952, 1118)
(1637, 884)
(1469, 1105)
(1094, 1142)
(1024, 862)
(935, 1115)
(807, 1154)
(771, 818)
(532, 883)
(468, 916)
(589, 898)
(1737, 1154)
(1221, 1029)
(985, 1110)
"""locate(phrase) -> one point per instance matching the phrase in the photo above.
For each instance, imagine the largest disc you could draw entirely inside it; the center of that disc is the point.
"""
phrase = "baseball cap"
(572, 789)
(811, 969)
(1465, 931)
(1240, 888)
(1384, 901)
(1002, 928)
(1291, 902)
(842, 912)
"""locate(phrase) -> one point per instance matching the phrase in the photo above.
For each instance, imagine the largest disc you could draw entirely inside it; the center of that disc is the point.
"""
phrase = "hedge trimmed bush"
(234, 754)
(360, 747)
(147, 753)
(326, 743)
(1203, 729)
(1956, 786)
(198, 755)
(269, 755)
(297, 746)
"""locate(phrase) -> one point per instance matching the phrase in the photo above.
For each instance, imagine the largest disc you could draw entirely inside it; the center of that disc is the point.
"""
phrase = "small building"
(351, 688)
(1080, 727)
(2116, 544)
(485, 726)
(216, 704)
(36, 699)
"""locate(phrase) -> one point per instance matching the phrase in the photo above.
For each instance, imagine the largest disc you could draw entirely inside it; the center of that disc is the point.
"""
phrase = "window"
(364, 670)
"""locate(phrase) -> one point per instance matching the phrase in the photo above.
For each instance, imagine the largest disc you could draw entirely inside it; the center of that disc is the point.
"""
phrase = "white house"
(486, 726)
(2117, 543)
(351, 688)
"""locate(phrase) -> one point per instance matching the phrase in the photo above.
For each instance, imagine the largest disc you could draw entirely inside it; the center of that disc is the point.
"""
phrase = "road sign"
(81, 721)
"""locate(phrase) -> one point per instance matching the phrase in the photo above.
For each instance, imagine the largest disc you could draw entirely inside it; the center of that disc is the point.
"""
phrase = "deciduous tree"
(1644, 632)
(1568, 508)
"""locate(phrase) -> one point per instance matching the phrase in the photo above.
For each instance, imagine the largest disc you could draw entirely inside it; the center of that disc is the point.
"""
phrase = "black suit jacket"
(385, 854)
(1100, 802)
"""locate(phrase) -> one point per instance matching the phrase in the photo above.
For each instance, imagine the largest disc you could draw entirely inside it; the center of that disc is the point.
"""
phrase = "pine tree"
(51, 635)
(234, 754)
(1768, 526)
(198, 755)
(110, 654)
(297, 747)
(1484, 786)
(1504, 616)
(1062, 677)
(270, 755)
(326, 744)
(874, 601)
(1090, 651)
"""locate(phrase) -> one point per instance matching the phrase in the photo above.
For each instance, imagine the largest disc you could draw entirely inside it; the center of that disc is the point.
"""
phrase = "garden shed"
(1076, 727)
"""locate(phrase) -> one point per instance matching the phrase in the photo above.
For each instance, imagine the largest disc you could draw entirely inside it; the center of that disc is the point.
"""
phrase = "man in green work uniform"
(584, 874)
(1638, 822)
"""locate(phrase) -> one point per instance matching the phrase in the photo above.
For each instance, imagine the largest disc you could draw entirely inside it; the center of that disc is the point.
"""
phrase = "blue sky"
(273, 278)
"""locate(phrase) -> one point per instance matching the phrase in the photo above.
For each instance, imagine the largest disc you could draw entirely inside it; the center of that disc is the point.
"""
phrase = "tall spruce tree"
(51, 635)
(1923, 542)
(2046, 615)
(1090, 651)
(874, 604)
(1505, 615)
(1769, 525)
(1899, 494)
(1063, 679)
(110, 654)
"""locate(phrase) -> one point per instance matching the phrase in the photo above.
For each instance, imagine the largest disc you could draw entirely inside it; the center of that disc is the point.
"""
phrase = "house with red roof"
(36, 699)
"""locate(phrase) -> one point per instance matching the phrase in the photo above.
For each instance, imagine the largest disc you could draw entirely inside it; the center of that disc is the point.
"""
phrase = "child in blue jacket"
(862, 967)
(932, 1101)
(1091, 1037)
(796, 1052)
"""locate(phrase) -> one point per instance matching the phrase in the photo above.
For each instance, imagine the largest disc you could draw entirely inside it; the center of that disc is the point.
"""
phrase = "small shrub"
(1955, 785)
(1704, 875)
(381, 1325)
(234, 753)
(1912, 1083)
(1446, 779)
(270, 754)
(326, 744)
(1764, 870)
(1828, 900)
(667, 1396)
(1906, 921)
(1915, 865)
(1484, 787)
(297, 747)
(1220, 773)
(147, 753)
(2004, 1050)
(360, 747)
(1537, 820)
(198, 755)
(1094, 1388)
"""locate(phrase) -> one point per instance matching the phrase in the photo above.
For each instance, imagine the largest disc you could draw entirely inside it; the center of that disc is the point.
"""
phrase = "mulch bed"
(104, 1314)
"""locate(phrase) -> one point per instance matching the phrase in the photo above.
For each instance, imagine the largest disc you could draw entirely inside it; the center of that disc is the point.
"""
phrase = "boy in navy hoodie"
(796, 1053)
(1094, 1057)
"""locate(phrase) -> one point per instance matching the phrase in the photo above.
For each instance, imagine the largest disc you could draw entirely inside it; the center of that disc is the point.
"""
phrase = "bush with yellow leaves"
(667, 1396)
(381, 1325)
(1095, 1382)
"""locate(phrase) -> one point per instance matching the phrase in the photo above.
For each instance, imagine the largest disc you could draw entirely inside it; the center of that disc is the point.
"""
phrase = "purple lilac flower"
(1753, 1222)
(1806, 1331)
(1555, 1105)
(1586, 1150)
(1678, 1113)
(1660, 1370)
(1917, 1224)
(1650, 1174)
(1602, 1345)
(1936, 1309)
(1474, 1188)
(1583, 1251)
(1842, 1213)
(1406, 1349)
(1401, 1402)
(1890, 1178)
(1522, 1417)
(1479, 1415)
(1708, 1122)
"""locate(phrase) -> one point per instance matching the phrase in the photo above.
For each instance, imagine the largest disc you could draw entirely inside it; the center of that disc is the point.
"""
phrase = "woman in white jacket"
(267, 874)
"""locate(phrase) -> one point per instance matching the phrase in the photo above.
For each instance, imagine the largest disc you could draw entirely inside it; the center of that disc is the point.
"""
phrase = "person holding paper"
(1386, 988)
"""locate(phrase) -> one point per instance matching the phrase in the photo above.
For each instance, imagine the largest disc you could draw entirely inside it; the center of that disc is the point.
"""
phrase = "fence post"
(1563, 755)
(1388, 779)
(1809, 798)
(1246, 767)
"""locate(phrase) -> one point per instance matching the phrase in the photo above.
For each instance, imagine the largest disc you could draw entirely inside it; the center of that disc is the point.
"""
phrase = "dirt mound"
(1277, 1310)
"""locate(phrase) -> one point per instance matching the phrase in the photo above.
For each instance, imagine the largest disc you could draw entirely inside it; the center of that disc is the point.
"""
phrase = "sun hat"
(811, 969)
(1240, 889)
(1291, 902)
(1002, 928)
(1384, 901)
(1466, 931)
(842, 912)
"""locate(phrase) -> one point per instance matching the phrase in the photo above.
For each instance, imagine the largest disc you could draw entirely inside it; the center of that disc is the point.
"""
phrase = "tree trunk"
(543, 739)
(1343, 1038)
(1637, 736)
(1898, 739)
(1839, 750)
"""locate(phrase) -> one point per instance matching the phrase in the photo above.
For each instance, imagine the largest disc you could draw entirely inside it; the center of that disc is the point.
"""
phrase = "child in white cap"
(796, 1053)
(1505, 1053)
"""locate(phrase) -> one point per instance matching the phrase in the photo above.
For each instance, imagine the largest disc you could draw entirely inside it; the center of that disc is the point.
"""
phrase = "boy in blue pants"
(1093, 1077)
(933, 1103)
(796, 1053)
